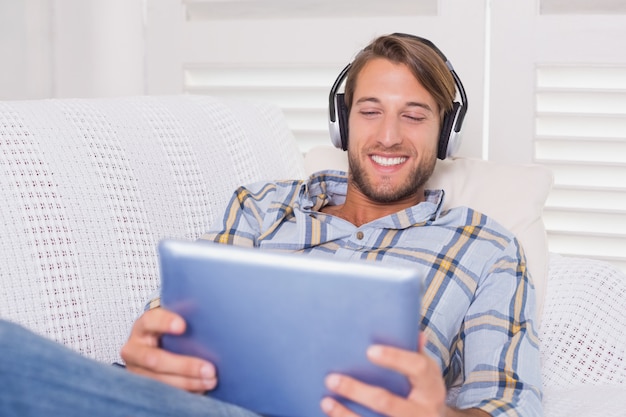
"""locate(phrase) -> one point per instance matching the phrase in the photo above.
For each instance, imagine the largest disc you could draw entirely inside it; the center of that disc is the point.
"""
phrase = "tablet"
(275, 324)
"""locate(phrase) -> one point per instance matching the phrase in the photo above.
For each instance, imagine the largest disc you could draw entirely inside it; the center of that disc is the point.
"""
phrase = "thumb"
(421, 342)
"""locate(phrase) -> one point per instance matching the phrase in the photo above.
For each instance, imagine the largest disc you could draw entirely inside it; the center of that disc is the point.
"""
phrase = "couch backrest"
(89, 186)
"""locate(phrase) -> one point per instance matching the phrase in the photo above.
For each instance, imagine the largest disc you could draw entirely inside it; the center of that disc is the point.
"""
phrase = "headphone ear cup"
(338, 123)
(342, 119)
(448, 140)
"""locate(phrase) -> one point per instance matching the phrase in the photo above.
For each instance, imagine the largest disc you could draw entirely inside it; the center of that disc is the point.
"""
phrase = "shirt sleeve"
(499, 344)
(244, 217)
(255, 212)
(155, 302)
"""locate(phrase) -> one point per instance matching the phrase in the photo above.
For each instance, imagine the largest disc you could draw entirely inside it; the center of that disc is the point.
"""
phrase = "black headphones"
(450, 136)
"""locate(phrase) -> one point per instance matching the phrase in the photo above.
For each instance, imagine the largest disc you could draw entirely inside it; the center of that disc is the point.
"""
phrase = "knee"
(16, 342)
(11, 333)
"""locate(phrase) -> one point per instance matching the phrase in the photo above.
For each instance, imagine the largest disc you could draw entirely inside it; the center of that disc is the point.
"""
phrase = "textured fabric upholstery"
(583, 336)
(89, 187)
(584, 324)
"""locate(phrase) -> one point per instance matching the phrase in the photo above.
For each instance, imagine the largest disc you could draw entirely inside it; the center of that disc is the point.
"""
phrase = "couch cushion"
(513, 195)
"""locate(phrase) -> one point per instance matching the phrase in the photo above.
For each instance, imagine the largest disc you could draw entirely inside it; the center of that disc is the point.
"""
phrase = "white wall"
(25, 49)
(71, 48)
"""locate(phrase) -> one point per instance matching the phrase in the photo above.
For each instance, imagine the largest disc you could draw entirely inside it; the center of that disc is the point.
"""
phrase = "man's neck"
(359, 209)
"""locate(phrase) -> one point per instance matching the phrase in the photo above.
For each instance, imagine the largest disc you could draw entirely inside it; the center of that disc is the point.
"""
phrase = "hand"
(143, 355)
(427, 397)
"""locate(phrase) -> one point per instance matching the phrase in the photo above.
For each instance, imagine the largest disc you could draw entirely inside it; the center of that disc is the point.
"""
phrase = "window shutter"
(271, 9)
(580, 133)
(300, 91)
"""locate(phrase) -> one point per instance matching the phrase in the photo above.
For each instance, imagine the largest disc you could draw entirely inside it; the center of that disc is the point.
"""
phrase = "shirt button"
(359, 235)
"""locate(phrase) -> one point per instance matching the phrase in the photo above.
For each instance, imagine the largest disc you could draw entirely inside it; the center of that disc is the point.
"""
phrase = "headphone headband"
(449, 138)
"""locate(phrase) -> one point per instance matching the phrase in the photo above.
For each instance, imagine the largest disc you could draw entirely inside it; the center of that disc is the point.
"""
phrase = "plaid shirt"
(478, 306)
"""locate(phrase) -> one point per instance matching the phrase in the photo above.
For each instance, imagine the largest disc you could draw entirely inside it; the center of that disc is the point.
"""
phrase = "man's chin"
(386, 193)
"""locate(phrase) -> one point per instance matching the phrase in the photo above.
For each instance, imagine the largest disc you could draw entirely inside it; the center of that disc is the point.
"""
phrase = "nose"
(389, 132)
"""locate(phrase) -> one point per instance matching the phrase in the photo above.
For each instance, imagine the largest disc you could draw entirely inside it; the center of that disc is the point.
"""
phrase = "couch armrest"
(583, 336)
(583, 331)
(587, 401)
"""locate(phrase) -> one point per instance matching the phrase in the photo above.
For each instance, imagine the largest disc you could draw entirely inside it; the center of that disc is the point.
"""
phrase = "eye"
(369, 113)
(415, 118)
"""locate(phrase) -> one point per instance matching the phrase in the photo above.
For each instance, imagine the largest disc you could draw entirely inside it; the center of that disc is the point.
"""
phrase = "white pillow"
(513, 195)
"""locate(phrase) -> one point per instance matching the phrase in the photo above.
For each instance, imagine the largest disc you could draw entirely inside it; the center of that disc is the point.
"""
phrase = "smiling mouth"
(387, 162)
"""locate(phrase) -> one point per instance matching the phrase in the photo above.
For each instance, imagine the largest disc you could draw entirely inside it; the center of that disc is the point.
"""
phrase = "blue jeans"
(39, 377)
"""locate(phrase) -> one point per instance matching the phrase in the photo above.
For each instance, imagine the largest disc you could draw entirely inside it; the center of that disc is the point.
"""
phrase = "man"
(398, 91)
(478, 305)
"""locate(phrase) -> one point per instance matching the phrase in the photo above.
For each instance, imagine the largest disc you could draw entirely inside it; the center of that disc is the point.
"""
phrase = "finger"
(188, 373)
(194, 385)
(159, 361)
(372, 397)
(403, 361)
(334, 408)
(421, 341)
(422, 372)
(157, 322)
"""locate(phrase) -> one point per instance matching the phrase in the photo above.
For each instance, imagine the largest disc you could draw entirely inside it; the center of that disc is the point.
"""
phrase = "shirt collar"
(329, 187)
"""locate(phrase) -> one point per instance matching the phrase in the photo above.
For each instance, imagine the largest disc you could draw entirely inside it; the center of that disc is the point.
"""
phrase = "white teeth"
(388, 161)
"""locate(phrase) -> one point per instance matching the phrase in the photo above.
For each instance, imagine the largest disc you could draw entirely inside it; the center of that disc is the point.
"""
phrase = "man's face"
(393, 127)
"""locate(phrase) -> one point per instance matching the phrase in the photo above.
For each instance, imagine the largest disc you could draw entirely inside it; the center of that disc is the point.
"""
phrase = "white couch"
(89, 186)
